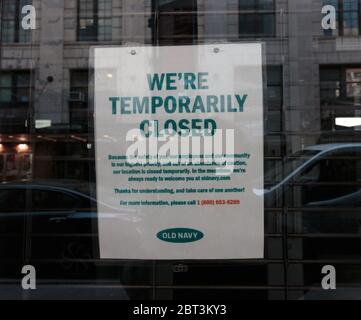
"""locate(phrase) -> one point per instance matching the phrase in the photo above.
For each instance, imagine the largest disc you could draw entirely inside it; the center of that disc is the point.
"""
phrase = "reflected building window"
(78, 100)
(274, 86)
(15, 94)
(174, 21)
(273, 114)
(340, 85)
(348, 15)
(353, 83)
(330, 84)
(14, 88)
(257, 18)
(339, 166)
(340, 92)
(11, 29)
(94, 20)
(274, 98)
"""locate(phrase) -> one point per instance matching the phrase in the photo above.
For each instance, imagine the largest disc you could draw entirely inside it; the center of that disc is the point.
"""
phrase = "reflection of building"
(15, 162)
(313, 76)
(48, 70)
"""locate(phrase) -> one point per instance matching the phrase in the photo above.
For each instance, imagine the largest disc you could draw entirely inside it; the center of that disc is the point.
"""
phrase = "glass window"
(78, 100)
(311, 131)
(12, 226)
(340, 95)
(257, 18)
(340, 84)
(330, 84)
(351, 24)
(15, 96)
(15, 88)
(353, 83)
(43, 200)
(348, 17)
(274, 98)
(11, 29)
(12, 200)
(321, 179)
(274, 86)
(94, 20)
(173, 21)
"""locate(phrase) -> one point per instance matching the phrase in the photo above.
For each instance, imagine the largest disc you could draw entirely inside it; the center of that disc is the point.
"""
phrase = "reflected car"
(329, 175)
(322, 185)
(50, 220)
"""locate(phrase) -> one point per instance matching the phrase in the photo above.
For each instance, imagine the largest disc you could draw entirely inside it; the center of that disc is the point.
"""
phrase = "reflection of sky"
(350, 15)
(260, 5)
(350, 5)
(350, 12)
(350, 19)
(331, 3)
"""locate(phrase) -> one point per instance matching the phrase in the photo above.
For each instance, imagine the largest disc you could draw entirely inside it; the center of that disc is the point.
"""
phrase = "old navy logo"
(180, 235)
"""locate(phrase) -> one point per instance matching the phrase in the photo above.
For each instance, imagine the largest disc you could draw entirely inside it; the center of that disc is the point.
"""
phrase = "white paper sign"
(154, 200)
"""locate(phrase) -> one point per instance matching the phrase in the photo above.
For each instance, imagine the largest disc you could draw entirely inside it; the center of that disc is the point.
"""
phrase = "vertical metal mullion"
(77, 19)
(340, 13)
(155, 42)
(14, 97)
(195, 21)
(283, 142)
(32, 132)
(256, 12)
(343, 82)
(96, 17)
(14, 87)
(284, 204)
(1, 31)
(2, 170)
(155, 32)
(359, 17)
(17, 21)
(274, 33)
